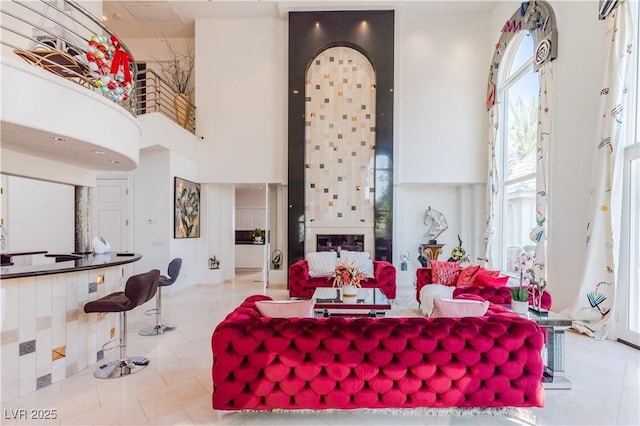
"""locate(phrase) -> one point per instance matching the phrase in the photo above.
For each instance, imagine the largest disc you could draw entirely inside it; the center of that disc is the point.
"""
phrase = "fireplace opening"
(337, 242)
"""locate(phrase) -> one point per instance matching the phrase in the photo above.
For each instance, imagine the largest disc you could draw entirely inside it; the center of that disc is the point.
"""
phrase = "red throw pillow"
(445, 273)
(489, 281)
(465, 279)
(489, 272)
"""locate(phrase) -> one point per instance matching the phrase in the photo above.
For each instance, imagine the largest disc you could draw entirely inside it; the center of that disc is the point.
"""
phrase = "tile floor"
(176, 387)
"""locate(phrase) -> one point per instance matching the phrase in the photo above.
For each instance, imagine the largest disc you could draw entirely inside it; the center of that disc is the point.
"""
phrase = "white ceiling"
(175, 18)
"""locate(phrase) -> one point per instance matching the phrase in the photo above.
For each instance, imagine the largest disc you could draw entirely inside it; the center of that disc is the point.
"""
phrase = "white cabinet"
(248, 218)
(259, 219)
(244, 219)
(250, 256)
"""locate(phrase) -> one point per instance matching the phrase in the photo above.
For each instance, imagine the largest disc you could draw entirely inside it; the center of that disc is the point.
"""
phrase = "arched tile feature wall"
(372, 34)
(340, 146)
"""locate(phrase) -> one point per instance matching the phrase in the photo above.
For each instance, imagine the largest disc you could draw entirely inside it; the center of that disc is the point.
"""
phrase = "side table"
(555, 325)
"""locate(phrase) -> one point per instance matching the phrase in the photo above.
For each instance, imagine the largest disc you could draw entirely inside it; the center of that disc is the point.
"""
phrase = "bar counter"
(85, 263)
(45, 335)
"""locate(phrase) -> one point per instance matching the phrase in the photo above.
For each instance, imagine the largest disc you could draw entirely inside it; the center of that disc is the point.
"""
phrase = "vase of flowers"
(257, 235)
(348, 277)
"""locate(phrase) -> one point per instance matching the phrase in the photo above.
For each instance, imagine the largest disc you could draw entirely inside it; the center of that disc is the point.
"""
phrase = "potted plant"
(178, 71)
(519, 299)
(520, 294)
(257, 235)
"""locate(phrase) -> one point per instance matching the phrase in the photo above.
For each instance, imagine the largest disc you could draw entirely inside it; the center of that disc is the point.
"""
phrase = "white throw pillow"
(434, 291)
(286, 308)
(360, 259)
(322, 263)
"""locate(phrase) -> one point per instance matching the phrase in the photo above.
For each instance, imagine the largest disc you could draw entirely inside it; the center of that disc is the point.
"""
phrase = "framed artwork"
(186, 215)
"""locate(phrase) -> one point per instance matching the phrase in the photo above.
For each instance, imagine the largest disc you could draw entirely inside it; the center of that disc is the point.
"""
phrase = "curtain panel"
(543, 143)
(594, 303)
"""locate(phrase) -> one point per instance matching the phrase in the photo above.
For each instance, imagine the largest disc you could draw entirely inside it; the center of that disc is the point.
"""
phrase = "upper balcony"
(72, 91)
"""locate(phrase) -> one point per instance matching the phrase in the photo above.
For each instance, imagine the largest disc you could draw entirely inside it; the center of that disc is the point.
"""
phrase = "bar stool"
(138, 290)
(173, 271)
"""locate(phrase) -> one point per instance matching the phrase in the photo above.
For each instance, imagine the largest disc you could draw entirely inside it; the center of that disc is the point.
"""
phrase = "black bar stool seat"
(173, 271)
(138, 290)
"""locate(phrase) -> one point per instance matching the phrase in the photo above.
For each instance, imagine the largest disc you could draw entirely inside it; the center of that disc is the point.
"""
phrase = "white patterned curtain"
(595, 302)
(539, 233)
(492, 186)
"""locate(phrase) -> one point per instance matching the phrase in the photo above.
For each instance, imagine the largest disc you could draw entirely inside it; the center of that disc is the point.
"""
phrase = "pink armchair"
(302, 285)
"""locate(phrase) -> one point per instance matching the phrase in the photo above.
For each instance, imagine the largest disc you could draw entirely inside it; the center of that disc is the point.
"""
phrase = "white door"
(111, 213)
(629, 277)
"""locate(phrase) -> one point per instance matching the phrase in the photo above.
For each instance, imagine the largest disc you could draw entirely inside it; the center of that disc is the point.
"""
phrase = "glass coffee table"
(370, 302)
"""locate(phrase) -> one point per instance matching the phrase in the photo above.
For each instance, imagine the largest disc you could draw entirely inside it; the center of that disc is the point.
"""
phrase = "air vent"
(153, 12)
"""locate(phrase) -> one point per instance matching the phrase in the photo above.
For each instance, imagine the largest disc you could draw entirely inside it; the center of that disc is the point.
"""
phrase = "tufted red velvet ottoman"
(262, 363)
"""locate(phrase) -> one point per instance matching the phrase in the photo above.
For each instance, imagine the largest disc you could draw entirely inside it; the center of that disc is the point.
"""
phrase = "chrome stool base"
(157, 329)
(121, 367)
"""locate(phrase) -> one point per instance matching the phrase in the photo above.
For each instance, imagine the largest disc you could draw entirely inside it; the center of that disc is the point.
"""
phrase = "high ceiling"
(175, 18)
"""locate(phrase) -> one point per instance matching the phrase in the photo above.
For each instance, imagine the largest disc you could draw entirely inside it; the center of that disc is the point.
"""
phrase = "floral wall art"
(187, 209)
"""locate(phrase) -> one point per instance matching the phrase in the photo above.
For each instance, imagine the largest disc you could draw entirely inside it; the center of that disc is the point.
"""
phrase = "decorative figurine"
(214, 263)
(436, 224)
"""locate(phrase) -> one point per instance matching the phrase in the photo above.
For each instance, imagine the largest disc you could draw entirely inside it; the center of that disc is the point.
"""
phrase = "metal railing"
(55, 35)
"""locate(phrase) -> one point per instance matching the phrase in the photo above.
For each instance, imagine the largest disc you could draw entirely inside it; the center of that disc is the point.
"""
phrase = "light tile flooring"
(176, 387)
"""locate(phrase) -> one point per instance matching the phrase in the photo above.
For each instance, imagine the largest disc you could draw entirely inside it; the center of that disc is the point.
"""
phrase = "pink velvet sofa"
(262, 363)
(499, 295)
(302, 285)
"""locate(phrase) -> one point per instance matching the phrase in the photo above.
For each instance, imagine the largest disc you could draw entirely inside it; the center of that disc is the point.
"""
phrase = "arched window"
(518, 90)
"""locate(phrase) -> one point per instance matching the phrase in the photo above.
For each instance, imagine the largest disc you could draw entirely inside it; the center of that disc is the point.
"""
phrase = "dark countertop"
(86, 262)
(249, 243)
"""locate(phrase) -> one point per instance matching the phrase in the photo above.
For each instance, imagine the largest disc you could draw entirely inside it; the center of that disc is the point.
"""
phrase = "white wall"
(241, 89)
(439, 124)
(217, 232)
(152, 211)
(40, 215)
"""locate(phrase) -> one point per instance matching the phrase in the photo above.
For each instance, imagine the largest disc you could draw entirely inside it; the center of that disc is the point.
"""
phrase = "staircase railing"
(55, 34)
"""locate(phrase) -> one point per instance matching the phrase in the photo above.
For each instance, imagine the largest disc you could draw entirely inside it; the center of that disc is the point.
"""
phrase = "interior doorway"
(111, 202)
(251, 231)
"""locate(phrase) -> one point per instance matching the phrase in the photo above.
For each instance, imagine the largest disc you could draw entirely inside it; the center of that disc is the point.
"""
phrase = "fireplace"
(337, 242)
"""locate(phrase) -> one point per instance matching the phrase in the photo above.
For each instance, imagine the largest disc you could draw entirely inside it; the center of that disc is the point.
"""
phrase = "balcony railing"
(55, 35)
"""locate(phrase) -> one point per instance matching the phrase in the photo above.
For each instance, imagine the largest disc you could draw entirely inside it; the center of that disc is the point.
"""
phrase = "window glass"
(522, 124)
(519, 91)
(523, 53)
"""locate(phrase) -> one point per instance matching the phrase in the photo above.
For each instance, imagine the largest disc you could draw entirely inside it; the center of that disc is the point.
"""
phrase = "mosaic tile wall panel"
(45, 336)
(340, 140)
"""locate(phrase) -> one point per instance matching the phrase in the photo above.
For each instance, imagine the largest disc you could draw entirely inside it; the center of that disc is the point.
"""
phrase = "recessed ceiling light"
(58, 139)
(104, 18)
(115, 162)
(95, 151)
(117, 15)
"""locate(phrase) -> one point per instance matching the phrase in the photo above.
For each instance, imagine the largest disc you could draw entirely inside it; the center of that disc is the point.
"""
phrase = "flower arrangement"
(523, 263)
(346, 274)
(257, 233)
(458, 253)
